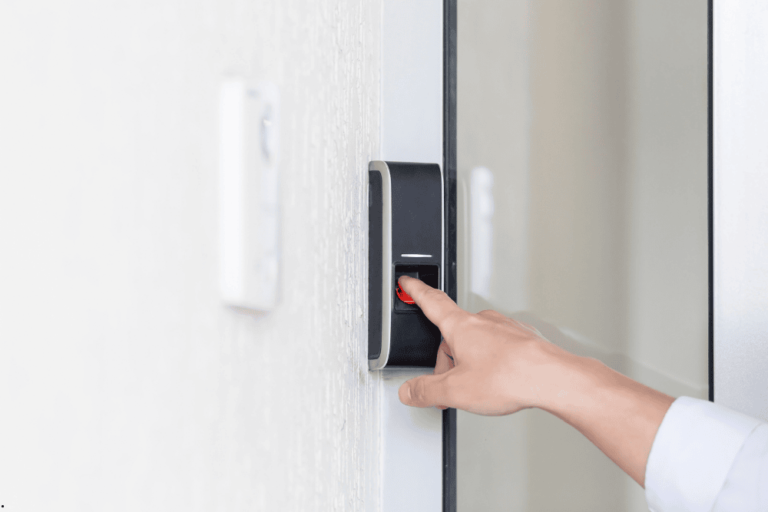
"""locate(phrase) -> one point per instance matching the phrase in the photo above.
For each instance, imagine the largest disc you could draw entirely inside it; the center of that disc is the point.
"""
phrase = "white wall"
(124, 383)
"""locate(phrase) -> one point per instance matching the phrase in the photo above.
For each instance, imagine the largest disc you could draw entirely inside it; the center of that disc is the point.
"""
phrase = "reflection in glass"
(481, 231)
(590, 119)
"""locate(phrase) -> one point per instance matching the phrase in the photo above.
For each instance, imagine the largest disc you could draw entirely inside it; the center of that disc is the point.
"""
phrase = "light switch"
(249, 206)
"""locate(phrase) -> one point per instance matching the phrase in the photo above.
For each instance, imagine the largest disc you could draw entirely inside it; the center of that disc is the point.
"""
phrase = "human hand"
(490, 364)
(487, 363)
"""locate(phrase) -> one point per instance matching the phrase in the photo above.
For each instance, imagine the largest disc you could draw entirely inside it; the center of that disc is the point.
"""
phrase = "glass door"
(582, 164)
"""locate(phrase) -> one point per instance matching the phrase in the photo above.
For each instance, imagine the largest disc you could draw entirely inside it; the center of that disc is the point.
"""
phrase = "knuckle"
(457, 393)
(452, 322)
(475, 321)
(418, 391)
(489, 313)
(451, 388)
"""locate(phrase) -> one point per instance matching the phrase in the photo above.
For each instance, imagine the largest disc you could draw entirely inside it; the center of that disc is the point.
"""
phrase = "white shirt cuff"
(692, 453)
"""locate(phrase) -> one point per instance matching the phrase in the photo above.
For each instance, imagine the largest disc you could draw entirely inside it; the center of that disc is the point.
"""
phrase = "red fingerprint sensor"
(404, 296)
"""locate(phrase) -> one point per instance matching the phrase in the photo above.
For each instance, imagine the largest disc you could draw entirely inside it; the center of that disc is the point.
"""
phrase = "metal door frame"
(418, 124)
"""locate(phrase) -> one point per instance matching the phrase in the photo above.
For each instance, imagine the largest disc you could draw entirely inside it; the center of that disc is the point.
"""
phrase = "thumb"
(426, 391)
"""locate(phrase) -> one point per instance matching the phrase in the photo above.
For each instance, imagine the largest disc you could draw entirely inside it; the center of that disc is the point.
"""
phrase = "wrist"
(620, 416)
(569, 383)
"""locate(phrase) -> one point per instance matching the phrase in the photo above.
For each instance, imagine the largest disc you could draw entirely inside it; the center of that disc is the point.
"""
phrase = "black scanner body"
(405, 237)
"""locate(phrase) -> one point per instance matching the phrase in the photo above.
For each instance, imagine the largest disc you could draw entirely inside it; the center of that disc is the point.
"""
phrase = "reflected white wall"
(593, 117)
(481, 213)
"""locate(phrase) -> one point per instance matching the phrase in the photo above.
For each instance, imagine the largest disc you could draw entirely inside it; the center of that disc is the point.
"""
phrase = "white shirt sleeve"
(707, 458)
(746, 488)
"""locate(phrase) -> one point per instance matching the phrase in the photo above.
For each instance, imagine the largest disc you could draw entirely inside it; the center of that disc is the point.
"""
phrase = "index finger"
(436, 305)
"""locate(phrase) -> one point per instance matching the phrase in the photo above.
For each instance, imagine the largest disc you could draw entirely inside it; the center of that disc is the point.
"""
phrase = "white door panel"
(740, 184)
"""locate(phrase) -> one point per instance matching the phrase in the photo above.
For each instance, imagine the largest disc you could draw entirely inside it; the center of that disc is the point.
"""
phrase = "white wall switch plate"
(249, 208)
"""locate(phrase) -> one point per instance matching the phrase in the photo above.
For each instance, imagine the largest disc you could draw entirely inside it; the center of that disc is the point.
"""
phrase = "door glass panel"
(582, 160)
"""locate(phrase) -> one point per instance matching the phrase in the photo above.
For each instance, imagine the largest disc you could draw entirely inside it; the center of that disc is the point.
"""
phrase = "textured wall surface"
(124, 383)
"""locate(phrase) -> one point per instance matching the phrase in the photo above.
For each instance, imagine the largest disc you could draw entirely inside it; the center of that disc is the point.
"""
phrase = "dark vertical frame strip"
(710, 194)
(449, 175)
